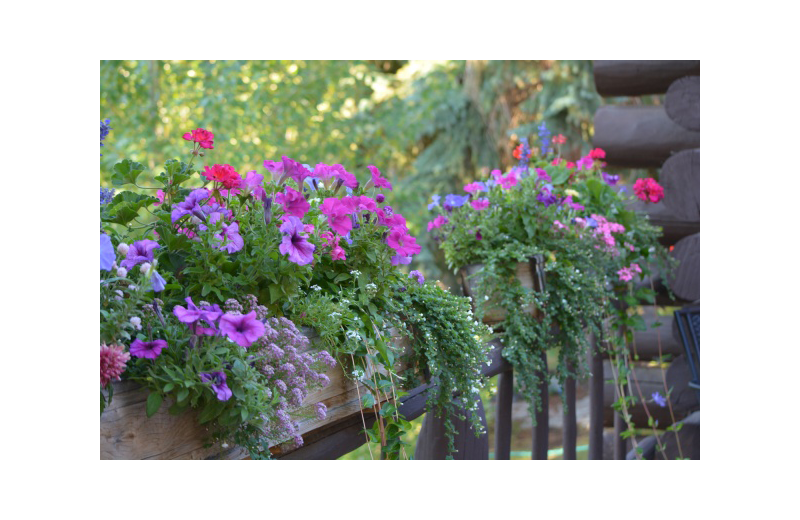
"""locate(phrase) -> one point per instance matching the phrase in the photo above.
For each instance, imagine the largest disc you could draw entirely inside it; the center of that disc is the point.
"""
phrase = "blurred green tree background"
(430, 126)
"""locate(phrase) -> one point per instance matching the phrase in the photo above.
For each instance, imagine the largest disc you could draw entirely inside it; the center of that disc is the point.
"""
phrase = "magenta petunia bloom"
(402, 242)
(293, 202)
(338, 214)
(480, 204)
(507, 182)
(274, 166)
(244, 329)
(437, 222)
(140, 251)
(147, 349)
(542, 175)
(219, 384)
(573, 205)
(294, 242)
(192, 315)
(584, 163)
(295, 170)
(378, 179)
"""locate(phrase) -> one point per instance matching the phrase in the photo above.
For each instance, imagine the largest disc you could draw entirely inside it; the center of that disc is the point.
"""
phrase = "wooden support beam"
(685, 281)
(502, 431)
(639, 77)
(680, 177)
(640, 136)
(596, 404)
(570, 430)
(432, 443)
(541, 432)
(674, 227)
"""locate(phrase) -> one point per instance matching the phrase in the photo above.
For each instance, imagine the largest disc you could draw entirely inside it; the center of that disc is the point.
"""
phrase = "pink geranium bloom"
(648, 190)
(293, 202)
(201, 136)
(160, 197)
(378, 179)
(223, 174)
(402, 242)
(480, 204)
(244, 329)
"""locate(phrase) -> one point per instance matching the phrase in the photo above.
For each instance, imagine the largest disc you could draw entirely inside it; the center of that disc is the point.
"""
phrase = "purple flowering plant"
(314, 244)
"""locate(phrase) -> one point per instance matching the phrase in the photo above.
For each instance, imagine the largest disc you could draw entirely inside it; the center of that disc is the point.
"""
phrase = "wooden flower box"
(530, 274)
(127, 433)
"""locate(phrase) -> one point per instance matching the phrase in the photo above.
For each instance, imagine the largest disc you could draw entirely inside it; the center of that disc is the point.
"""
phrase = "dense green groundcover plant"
(200, 280)
(576, 217)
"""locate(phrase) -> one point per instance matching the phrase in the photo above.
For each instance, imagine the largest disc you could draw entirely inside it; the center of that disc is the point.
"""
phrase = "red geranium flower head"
(225, 175)
(597, 153)
(201, 136)
(648, 190)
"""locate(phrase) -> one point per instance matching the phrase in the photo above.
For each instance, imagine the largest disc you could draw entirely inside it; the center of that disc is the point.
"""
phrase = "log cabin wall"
(666, 136)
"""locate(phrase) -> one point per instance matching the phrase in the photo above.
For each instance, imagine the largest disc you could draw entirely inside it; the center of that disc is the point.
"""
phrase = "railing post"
(502, 430)
(570, 430)
(596, 403)
(541, 431)
(620, 451)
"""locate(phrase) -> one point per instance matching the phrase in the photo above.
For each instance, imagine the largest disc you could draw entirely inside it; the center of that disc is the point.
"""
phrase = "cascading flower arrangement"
(313, 245)
(578, 219)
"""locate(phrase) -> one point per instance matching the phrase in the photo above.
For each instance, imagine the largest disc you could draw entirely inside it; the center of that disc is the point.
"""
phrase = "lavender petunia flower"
(611, 180)
(546, 197)
(418, 276)
(455, 201)
(193, 315)
(107, 254)
(147, 349)
(659, 399)
(219, 384)
(230, 238)
(158, 281)
(140, 251)
(398, 259)
(435, 199)
(244, 329)
(189, 203)
(294, 242)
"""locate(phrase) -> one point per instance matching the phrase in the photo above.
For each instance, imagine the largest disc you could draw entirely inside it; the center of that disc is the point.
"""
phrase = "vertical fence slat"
(596, 404)
(570, 430)
(502, 431)
(619, 443)
(541, 431)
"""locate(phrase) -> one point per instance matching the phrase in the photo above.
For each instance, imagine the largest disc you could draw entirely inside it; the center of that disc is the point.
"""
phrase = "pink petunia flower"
(244, 329)
(293, 202)
(480, 204)
(405, 245)
(437, 222)
(378, 179)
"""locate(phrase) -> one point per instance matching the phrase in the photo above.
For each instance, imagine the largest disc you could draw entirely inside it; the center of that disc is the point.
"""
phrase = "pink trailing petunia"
(558, 225)
(338, 214)
(201, 136)
(294, 242)
(243, 329)
(405, 245)
(332, 241)
(475, 187)
(480, 204)
(378, 179)
(543, 175)
(508, 181)
(585, 163)
(295, 170)
(293, 202)
(568, 202)
(252, 184)
(274, 166)
(437, 222)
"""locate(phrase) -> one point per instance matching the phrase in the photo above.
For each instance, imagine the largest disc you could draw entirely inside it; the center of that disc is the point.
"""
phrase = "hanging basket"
(127, 433)
(530, 274)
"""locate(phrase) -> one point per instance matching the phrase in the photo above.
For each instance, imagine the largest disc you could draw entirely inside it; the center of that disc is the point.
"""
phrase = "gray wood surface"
(639, 77)
(682, 102)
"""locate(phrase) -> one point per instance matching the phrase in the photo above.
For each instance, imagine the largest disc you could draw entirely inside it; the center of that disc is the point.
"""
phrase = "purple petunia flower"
(157, 281)
(659, 399)
(218, 384)
(193, 315)
(107, 254)
(455, 201)
(188, 204)
(418, 276)
(546, 197)
(399, 259)
(294, 242)
(542, 174)
(244, 329)
(147, 349)
(230, 237)
(267, 209)
(140, 251)
(435, 202)
(611, 180)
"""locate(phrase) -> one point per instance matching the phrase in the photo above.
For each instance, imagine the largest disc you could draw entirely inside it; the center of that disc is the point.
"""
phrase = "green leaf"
(125, 206)
(388, 409)
(126, 172)
(245, 414)
(153, 403)
(367, 401)
(183, 393)
(168, 387)
(274, 293)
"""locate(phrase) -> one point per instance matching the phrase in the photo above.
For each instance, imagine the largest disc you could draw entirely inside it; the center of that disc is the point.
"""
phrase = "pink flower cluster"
(604, 231)
(113, 361)
(508, 181)
(648, 190)
(626, 273)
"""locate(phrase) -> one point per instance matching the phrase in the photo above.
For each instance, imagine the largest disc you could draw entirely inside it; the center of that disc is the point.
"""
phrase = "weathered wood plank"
(682, 102)
(596, 403)
(541, 431)
(639, 77)
(505, 399)
(432, 442)
(680, 177)
(640, 136)
(673, 227)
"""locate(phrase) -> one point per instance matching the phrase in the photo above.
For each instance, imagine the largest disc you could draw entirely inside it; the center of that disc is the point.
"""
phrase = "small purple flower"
(294, 242)
(104, 130)
(106, 195)
(147, 349)
(542, 174)
(544, 138)
(193, 314)
(546, 197)
(380, 197)
(397, 260)
(218, 384)
(590, 222)
(267, 208)
(157, 281)
(321, 410)
(244, 329)
(455, 201)
(435, 202)
(140, 251)
(107, 254)
(418, 276)
(611, 180)
(478, 235)
(659, 399)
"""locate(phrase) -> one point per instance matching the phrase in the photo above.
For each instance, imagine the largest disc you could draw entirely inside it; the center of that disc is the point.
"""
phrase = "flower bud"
(122, 272)
(145, 268)
(122, 248)
(202, 154)
(379, 198)
(136, 321)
